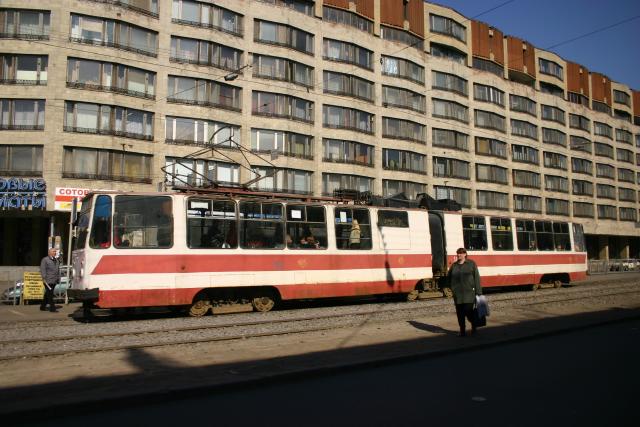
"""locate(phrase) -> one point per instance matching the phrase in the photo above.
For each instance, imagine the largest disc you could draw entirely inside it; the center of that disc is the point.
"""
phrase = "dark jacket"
(464, 280)
(49, 270)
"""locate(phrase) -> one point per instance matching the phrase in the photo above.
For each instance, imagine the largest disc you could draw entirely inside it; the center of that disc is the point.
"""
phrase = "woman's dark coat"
(464, 280)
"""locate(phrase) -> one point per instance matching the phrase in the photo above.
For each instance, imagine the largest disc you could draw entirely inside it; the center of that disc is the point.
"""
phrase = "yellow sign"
(32, 288)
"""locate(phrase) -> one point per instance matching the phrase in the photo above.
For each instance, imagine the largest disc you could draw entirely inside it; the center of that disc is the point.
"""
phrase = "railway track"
(20, 348)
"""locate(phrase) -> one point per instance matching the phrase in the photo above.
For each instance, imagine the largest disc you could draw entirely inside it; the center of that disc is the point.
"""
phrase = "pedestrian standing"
(50, 272)
(464, 280)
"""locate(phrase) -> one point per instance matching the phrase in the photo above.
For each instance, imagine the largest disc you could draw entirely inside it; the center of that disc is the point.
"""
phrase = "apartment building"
(386, 96)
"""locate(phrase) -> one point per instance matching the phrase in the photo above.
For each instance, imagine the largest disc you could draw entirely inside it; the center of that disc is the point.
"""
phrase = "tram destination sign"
(23, 193)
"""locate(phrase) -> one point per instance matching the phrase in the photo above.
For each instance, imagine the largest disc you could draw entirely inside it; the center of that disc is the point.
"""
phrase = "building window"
(603, 150)
(24, 24)
(489, 66)
(448, 27)
(452, 54)
(112, 33)
(524, 203)
(524, 129)
(402, 68)
(583, 209)
(627, 194)
(624, 136)
(621, 97)
(406, 161)
(108, 120)
(555, 160)
(556, 183)
(450, 168)
(577, 121)
(554, 136)
(21, 160)
(578, 98)
(108, 165)
(450, 139)
(182, 130)
(488, 94)
(524, 154)
(344, 17)
(286, 70)
(605, 171)
(449, 82)
(351, 152)
(450, 110)
(557, 207)
(523, 105)
(283, 35)
(527, 179)
(607, 212)
(404, 129)
(623, 155)
(625, 175)
(551, 89)
(146, 7)
(628, 214)
(348, 85)
(285, 143)
(281, 180)
(303, 6)
(205, 93)
(332, 182)
(581, 166)
(202, 52)
(553, 114)
(339, 51)
(282, 106)
(409, 189)
(110, 77)
(491, 173)
(551, 68)
(460, 195)
(198, 173)
(489, 120)
(581, 188)
(22, 114)
(602, 129)
(491, 147)
(601, 107)
(401, 36)
(622, 115)
(23, 69)
(492, 200)
(403, 98)
(578, 143)
(335, 117)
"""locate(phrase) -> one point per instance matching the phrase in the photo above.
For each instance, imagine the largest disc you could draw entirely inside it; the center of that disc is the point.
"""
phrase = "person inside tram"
(354, 235)
(308, 240)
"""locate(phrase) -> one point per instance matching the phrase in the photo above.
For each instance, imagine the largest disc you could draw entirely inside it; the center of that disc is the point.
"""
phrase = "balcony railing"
(106, 177)
(284, 153)
(25, 36)
(21, 127)
(236, 31)
(91, 86)
(95, 131)
(209, 104)
(127, 5)
(23, 82)
(347, 161)
(152, 53)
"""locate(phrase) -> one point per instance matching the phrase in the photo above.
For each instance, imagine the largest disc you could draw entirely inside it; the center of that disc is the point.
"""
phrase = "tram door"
(438, 251)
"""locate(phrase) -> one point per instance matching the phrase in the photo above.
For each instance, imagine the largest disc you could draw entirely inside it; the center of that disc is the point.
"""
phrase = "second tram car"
(200, 251)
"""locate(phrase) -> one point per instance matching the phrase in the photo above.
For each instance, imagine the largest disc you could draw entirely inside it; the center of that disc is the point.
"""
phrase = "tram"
(200, 251)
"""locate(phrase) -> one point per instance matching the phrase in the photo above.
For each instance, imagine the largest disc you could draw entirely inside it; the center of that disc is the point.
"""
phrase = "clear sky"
(614, 52)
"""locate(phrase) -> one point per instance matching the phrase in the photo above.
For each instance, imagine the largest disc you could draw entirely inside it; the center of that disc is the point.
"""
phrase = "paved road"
(583, 378)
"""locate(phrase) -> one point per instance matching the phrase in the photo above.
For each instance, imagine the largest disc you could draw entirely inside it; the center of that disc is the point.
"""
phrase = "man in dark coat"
(464, 280)
(50, 272)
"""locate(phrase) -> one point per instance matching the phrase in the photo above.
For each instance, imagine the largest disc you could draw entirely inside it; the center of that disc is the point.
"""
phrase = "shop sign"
(22, 193)
(64, 197)
(32, 288)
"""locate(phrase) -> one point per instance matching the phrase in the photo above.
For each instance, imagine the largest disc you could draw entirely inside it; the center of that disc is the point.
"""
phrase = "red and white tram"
(200, 251)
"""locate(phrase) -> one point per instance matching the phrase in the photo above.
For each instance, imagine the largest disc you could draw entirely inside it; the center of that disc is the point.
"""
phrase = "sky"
(614, 52)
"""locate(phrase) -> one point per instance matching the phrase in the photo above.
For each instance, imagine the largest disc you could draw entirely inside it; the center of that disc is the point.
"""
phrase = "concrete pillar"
(624, 247)
(603, 245)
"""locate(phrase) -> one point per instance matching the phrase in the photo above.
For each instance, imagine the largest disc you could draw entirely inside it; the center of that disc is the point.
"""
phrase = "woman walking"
(464, 281)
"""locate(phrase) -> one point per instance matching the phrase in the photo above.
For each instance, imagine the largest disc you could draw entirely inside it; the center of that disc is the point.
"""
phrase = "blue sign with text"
(22, 193)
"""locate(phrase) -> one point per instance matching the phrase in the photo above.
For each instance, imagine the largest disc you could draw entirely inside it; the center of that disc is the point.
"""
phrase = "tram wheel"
(535, 286)
(557, 284)
(263, 303)
(447, 292)
(413, 295)
(199, 308)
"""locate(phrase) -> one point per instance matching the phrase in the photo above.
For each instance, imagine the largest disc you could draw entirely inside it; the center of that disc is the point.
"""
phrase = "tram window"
(526, 235)
(261, 225)
(578, 238)
(544, 235)
(143, 222)
(82, 223)
(101, 225)
(501, 234)
(561, 236)
(398, 219)
(211, 224)
(474, 230)
(353, 228)
(306, 227)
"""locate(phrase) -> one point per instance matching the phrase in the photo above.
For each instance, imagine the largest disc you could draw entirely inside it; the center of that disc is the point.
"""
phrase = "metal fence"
(601, 266)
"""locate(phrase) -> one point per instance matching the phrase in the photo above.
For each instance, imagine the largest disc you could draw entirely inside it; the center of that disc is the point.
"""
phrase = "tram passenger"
(354, 235)
(308, 240)
(464, 280)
